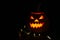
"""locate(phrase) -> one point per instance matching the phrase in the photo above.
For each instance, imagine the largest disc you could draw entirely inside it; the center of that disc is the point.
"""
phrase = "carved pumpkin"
(38, 22)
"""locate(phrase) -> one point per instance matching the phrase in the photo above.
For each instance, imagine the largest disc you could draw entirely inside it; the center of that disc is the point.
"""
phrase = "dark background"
(23, 8)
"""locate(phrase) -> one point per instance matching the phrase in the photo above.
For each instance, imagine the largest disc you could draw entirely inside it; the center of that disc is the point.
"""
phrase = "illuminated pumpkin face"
(37, 21)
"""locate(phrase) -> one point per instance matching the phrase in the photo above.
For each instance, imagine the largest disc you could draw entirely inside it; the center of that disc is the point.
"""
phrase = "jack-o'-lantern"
(38, 22)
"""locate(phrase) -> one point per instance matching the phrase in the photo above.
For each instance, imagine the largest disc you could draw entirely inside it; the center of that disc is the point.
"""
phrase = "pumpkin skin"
(38, 22)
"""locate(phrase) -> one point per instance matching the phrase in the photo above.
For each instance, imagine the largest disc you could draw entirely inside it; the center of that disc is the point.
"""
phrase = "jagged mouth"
(36, 25)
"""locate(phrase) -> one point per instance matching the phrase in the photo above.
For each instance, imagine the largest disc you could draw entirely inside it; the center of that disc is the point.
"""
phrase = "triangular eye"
(31, 17)
(41, 17)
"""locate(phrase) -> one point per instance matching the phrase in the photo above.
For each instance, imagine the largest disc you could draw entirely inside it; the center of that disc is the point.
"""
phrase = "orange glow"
(38, 13)
(41, 17)
(36, 20)
(36, 25)
(31, 17)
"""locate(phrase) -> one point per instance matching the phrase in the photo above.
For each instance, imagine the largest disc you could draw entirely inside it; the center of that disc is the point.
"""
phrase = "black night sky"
(25, 7)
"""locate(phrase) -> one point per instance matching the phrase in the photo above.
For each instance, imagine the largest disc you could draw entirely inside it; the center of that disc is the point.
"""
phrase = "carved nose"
(36, 20)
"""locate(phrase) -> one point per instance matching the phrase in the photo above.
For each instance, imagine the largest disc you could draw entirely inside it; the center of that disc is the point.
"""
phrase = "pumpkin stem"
(38, 7)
